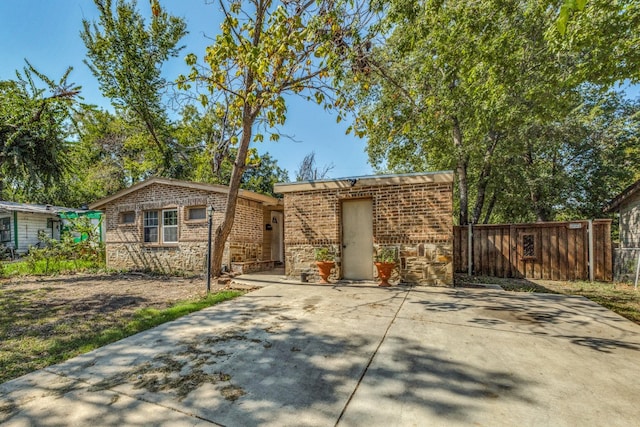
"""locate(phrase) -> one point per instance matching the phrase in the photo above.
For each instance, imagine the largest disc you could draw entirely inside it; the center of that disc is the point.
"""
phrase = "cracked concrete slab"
(293, 354)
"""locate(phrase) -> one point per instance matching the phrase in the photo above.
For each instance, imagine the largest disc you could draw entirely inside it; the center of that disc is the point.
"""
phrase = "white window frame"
(166, 226)
(146, 225)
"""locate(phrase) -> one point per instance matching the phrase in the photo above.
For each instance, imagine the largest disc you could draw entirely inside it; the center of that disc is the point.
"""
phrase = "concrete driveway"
(353, 355)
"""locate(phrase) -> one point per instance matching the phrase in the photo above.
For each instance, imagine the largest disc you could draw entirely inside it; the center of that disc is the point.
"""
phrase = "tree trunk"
(537, 201)
(224, 229)
(483, 179)
(492, 203)
(249, 115)
(461, 170)
(542, 212)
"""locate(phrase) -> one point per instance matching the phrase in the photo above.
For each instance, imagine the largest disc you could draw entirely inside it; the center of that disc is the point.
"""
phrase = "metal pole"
(210, 215)
(635, 285)
(591, 255)
(470, 249)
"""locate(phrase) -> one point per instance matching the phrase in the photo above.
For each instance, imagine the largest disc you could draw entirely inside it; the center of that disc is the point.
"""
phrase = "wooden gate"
(549, 250)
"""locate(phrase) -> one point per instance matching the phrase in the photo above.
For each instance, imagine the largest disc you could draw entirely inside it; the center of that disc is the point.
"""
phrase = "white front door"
(277, 236)
(357, 239)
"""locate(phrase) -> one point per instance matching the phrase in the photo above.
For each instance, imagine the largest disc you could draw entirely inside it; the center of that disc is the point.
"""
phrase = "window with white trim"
(151, 227)
(170, 226)
(161, 226)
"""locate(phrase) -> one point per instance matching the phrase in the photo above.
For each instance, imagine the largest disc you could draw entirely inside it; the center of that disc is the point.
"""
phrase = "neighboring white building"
(21, 223)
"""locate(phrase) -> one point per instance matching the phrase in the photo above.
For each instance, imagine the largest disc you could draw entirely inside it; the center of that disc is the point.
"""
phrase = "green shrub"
(386, 255)
(324, 254)
(67, 255)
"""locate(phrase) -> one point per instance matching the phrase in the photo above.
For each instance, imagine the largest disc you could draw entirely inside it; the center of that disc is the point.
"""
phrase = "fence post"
(470, 248)
(591, 257)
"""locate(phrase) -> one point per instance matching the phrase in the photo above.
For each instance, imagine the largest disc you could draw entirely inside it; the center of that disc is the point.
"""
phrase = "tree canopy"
(266, 50)
(490, 90)
(308, 171)
(126, 56)
(514, 95)
(34, 124)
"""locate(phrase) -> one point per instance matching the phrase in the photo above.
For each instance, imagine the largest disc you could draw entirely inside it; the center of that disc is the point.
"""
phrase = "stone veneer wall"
(417, 219)
(625, 258)
(125, 249)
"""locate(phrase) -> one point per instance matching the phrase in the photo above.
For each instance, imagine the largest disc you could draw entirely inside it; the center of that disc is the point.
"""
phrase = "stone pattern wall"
(185, 257)
(124, 242)
(416, 219)
(625, 263)
(625, 258)
(630, 222)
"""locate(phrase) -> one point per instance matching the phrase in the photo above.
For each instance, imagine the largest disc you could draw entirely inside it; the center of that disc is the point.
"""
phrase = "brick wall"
(416, 218)
(124, 242)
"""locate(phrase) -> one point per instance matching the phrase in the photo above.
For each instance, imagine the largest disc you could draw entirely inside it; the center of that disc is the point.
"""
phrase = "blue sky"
(47, 33)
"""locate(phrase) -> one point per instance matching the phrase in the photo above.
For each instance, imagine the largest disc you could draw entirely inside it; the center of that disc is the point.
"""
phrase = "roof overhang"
(622, 197)
(245, 194)
(7, 207)
(365, 181)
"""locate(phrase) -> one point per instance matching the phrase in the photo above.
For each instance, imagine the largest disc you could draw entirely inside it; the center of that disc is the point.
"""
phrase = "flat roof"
(6, 206)
(245, 194)
(365, 181)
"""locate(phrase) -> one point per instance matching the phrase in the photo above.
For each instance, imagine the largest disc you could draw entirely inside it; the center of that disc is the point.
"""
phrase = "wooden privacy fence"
(549, 250)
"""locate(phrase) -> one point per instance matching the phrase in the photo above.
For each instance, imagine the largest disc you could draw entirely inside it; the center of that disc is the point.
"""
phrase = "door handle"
(344, 246)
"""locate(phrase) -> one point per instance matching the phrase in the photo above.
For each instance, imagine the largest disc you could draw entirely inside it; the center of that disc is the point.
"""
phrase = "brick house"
(161, 224)
(356, 217)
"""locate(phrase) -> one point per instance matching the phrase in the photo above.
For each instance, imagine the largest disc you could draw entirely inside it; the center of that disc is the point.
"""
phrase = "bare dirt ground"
(107, 292)
(44, 320)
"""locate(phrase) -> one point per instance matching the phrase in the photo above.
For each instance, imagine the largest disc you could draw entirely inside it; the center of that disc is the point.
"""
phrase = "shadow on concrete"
(256, 361)
(415, 375)
(553, 315)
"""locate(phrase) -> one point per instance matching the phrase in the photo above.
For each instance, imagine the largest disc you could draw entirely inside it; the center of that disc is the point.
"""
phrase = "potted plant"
(325, 262)
(385, 263)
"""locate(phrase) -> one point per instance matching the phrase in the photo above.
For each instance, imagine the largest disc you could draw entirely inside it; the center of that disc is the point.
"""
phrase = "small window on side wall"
(127, 217)
(528, 246)
(198, 213)
(5, 230)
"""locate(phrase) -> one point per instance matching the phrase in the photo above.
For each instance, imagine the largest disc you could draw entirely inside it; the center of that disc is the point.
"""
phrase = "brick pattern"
(124, 242)
(416, 219)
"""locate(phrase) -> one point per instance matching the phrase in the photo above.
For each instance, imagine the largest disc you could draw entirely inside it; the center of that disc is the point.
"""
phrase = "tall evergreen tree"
(35, 123)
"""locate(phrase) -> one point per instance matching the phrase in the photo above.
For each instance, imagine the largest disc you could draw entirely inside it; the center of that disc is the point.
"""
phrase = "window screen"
(197, 213)
(127, 217)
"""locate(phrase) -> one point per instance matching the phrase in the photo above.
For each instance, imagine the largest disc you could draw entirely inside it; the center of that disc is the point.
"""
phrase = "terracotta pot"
(384, 272)
(325, 270)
